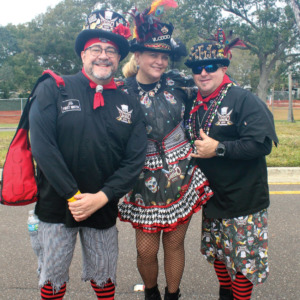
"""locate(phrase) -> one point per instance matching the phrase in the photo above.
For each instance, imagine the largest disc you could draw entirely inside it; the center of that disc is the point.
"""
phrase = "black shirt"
(239, 179)
(79, 148)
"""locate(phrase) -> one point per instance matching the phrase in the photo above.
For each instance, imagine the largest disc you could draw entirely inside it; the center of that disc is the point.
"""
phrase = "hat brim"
(88, 34)
(142, 48)
(222, 61)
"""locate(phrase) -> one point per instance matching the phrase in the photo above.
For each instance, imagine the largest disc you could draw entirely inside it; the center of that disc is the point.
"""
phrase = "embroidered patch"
(174, 174)
(224, 117)
(139, 199)
(146, 101)
(151, 184)
(70, 105)
(170, 82)
(125, 115)
(148, 129)
(170, 97)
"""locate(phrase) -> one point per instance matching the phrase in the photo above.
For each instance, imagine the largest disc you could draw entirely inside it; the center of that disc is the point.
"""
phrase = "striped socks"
(47, 292)
(107, 292)
(242, 287)
(222, 274)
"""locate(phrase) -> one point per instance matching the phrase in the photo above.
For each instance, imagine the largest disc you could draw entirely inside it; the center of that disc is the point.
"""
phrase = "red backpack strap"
(18, 176)
(59, 80)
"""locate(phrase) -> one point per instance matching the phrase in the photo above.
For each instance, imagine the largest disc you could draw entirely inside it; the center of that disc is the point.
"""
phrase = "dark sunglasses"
(209, 68)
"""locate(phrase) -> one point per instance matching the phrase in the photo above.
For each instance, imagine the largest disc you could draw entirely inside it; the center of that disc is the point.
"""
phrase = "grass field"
(287, 154)
(281, 114)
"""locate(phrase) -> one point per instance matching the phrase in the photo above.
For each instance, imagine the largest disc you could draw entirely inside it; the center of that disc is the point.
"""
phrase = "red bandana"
(98, 97)
(97, 40)
(203, 102)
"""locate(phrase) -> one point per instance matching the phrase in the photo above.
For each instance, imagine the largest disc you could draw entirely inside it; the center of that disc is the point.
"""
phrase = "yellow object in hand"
(73, 199)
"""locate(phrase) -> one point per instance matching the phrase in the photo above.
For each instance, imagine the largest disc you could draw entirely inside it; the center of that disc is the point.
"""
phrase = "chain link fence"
(11, 110)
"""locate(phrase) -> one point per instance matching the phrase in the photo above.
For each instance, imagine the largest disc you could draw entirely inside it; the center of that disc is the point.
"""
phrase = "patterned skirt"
(170, 188)
(153, 214)
(240, 243)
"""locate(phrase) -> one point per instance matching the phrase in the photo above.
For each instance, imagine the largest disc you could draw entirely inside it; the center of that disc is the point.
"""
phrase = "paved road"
(18, 264)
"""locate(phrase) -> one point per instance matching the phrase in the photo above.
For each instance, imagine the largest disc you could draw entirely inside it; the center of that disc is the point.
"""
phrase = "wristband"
(72, 199)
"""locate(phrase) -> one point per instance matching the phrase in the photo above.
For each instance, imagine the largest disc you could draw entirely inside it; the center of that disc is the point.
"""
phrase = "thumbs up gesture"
(205, 147)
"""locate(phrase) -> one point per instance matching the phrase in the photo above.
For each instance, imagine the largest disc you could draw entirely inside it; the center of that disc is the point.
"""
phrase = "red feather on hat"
(235, 43)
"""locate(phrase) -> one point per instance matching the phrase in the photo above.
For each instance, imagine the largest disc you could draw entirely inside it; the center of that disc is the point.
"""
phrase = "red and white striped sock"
(107, 292)
(47, 292)
(241, 287)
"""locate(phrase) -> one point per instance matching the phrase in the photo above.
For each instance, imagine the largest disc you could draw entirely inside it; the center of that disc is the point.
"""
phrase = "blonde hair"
(130, 68)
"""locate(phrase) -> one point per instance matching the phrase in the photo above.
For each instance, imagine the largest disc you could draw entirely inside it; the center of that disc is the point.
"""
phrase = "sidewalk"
(284, 175)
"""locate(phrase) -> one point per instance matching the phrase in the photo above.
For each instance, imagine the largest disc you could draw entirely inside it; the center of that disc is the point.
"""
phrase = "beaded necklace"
(152, 92)
(210, 113)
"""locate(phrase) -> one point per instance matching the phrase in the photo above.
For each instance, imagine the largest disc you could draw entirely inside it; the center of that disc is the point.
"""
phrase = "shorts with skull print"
(240, 243)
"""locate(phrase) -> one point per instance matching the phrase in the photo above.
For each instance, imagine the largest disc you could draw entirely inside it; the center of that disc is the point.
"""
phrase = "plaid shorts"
(57, 244)
(240, 243)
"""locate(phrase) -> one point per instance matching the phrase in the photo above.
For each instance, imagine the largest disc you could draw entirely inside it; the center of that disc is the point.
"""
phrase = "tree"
(296, 8)
(8, 44)
(269, 30)
(244, 68)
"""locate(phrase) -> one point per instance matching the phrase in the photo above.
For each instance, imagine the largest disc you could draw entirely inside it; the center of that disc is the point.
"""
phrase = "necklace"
(210, 113)
(152, 92)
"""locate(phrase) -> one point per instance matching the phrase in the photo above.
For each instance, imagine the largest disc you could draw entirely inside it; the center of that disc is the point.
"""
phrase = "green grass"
(5, 139)
(8, 125)
(287, 154)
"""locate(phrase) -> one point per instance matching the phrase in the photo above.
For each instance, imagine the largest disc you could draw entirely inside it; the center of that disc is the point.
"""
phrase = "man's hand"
(206, 148)
(86, 204)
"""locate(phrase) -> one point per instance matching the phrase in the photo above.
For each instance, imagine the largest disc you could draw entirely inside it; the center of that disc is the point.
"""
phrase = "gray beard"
(108, 76)
(103, 77)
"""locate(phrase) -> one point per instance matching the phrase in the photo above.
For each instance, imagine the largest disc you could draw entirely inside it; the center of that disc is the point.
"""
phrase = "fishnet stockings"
(174, 256)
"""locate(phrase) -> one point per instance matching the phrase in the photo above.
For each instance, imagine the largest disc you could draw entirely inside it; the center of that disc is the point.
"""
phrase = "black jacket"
(239, 179)
(77, 147)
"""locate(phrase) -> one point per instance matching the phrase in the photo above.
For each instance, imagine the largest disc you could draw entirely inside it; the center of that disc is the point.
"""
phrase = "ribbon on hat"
(98, 97)
(203, 101)
(98, 40)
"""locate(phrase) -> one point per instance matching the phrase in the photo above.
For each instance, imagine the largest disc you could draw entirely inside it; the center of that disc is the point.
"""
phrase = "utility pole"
(272, 99)
(290, 109)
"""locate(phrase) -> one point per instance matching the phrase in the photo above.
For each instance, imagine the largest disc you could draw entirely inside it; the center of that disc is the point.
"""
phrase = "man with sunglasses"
(89, 142)
(232, 131)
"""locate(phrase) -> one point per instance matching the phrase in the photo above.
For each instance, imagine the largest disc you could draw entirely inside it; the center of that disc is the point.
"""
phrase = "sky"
(22, 11)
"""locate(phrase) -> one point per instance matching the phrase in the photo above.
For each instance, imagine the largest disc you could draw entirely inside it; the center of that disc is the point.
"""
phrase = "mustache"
(103, 61)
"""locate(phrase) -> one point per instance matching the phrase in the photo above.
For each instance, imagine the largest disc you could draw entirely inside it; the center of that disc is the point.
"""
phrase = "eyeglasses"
(209, 68)
(97, 50)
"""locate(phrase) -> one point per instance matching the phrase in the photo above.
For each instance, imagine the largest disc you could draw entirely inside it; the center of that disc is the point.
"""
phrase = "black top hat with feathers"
(105, 24)
(217, 51)
(149, 33)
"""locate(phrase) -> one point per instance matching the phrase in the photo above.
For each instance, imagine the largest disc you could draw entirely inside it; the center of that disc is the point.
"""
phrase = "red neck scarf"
(214, 94)
(98, 97)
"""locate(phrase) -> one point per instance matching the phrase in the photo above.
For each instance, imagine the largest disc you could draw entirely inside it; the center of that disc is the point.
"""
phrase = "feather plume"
(235, 43)
(147, 22)
(158, 6)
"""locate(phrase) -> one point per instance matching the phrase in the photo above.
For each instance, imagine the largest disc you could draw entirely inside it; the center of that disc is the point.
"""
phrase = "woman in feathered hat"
(171, 187)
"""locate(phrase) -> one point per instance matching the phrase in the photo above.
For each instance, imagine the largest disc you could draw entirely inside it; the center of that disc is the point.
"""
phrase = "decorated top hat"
(216, 51)
(150, 34)
(105, 24)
